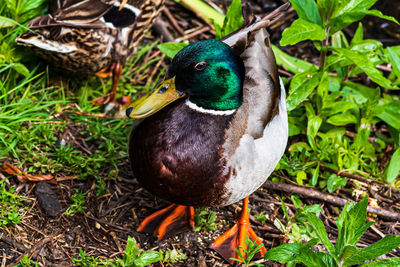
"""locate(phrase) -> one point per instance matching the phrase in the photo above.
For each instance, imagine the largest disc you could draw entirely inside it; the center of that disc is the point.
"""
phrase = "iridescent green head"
(210, 73)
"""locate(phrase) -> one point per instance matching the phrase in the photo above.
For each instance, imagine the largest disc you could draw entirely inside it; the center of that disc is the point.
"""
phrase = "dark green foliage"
(204, 220)
(351, 225)
(250, 252)
(10, 206)
(133, 257)
(332, 103)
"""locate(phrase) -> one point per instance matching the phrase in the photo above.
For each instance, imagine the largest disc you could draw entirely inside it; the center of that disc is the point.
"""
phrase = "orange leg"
(114, 70)
(169, 221)
(235, 237)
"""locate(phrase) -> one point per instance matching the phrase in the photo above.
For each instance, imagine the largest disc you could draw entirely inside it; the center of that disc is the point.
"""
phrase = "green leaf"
(311, 258)
(348, 251)
(358, 35)
(21, 69)
(283, 253)
(307, 10)
(363, 62)
(30, 5)
(379, 14)
(170, 49)
(296, 201)
(293, 64)
(337, 107)
(302, 86)
(342, 119)
(335, 182)
(383, 263)
(351, 224)
(204, 9)
(314, 122)
(394, 167)
(391, 114)
(301, 30)
(285, 212)
(233, 19)
(359, 232)
(320, 230)
(326, 8)
(383, 246)
(147, 258)
(7, 22)
(347, 12)
(300, 177)
(314, 179)
(131, 251)
(395, 60)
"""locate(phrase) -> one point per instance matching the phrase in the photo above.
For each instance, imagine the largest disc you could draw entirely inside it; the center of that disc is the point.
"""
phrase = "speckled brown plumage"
(170, 162)
(75, 37)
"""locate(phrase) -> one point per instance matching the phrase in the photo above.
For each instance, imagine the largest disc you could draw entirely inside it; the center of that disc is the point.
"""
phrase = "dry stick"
(173, 21)
(6, 239)
(36, 247)
(357, 177)
(160, 27)
(193, 34)
(390, 215)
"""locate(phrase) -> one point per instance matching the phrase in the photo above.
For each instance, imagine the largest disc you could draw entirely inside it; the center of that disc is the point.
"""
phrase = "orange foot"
(115, 71)
(235, 237)
(169, 221)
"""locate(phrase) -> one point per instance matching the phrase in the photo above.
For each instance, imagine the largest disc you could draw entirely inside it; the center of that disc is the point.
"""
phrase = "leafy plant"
(27, 262)
(295, 229)
(78, 204)
(10, 205)
(336, 101)
(90, 260)
(261, 217)
(204, 220)
(232, 21)
(137, 257)
(133, 257)
(249, 253)
(173, 255)
(351, 226)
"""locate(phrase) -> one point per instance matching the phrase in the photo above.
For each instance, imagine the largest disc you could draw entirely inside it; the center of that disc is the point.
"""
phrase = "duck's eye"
(200, 66)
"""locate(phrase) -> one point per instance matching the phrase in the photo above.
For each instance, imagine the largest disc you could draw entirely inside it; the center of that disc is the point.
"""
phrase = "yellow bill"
(149, 104)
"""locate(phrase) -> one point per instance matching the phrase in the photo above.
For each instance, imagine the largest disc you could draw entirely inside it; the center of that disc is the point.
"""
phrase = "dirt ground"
(102, 230)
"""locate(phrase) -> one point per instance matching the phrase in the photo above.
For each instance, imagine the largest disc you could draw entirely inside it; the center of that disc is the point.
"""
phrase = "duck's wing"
(258, 131)
(149, 12)
(261, 88)
(75, 13)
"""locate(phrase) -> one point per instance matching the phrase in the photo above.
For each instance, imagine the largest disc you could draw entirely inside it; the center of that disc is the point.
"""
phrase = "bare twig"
(32, 250)
(357, 177)
(308, 192)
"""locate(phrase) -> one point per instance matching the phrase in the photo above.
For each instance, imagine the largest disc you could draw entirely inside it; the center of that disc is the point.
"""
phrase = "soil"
(102, 230)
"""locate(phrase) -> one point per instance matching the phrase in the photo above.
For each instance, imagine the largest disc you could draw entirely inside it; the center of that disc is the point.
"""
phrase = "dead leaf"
(25, 177)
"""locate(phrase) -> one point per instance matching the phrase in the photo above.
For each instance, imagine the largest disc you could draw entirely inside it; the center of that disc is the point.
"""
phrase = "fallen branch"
(13, 243)
(308, 192)
(32, 250)
(357, 177)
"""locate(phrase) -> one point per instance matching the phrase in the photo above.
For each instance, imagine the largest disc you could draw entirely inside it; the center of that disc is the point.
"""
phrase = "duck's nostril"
(163, 89)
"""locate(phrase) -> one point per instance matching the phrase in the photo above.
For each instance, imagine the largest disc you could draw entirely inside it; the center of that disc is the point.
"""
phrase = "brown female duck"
(91, 36)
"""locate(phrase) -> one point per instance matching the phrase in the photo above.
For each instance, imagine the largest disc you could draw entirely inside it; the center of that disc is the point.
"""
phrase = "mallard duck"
(91, 36)
(212, 132)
